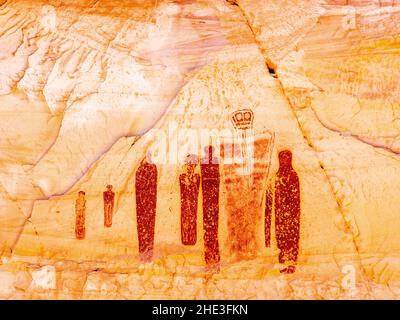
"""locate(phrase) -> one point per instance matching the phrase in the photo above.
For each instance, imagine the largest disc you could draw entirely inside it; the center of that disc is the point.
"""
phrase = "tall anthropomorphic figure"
(146, 202)
(189, 186)
(210, 180)
(80, 212)
(287, 212)
(108, 198)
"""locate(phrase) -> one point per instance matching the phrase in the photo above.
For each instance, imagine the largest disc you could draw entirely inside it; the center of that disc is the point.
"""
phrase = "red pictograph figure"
(189, 186)
(287, 212)
(80, 211)
(108, 198)
(146, 201)
(244, 196)
(210, 180)
(269, 198)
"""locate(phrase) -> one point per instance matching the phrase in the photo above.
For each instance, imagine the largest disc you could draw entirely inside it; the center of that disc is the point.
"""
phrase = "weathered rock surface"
(88, 90)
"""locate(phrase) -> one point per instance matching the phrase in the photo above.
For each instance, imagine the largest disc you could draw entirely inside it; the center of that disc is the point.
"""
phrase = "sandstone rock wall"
(88, 89)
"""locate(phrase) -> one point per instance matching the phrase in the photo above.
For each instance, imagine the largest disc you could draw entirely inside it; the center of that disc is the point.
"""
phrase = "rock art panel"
(88, 89)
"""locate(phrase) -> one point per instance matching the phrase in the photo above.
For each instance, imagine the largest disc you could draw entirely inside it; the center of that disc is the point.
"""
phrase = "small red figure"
(80, 210)
(287, 212)
(108, 198)
(146, 202)
(210, 180)
(189, 186)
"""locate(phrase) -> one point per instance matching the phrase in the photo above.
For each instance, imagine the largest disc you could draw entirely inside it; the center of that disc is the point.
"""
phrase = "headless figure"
(108, 197)
(146, 201)
(287, 212)
(80, 210)
(210, 179)
(189, 186)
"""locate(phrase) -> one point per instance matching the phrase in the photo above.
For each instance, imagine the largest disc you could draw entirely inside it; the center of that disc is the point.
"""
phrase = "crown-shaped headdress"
(243, 119)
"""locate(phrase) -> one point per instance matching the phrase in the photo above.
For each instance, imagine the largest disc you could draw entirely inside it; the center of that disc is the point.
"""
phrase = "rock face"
(92, 90)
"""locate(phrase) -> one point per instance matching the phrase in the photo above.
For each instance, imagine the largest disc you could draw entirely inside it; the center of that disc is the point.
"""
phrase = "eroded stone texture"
(90, 89)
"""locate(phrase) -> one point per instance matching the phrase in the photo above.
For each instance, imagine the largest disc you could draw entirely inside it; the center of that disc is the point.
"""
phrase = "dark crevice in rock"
(271, 70)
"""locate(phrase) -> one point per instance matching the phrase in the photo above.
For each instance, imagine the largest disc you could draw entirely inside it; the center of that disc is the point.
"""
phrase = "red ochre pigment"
(108, 198)
(244, 196)
(189, 187)
(287, 209)
(268, 215)
(210, 180)
(146, 201)
(80, 211)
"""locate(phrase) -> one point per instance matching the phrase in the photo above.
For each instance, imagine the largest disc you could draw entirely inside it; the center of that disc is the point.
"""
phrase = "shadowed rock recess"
(182, 149)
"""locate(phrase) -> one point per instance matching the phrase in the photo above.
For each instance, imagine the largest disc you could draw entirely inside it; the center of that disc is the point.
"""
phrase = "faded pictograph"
(244, 194)
(189, 183)
(242, 121)
(108, 198)
(243, 184)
